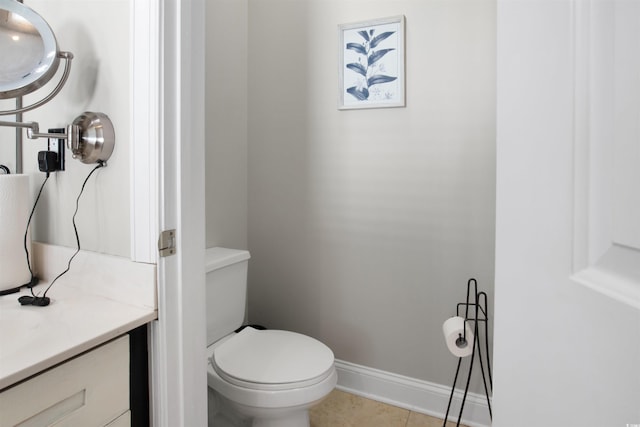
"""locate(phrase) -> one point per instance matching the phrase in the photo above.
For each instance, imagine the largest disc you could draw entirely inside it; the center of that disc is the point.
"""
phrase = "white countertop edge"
(11, 379)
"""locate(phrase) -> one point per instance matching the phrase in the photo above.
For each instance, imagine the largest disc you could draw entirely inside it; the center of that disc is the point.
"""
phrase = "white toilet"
(257, 378)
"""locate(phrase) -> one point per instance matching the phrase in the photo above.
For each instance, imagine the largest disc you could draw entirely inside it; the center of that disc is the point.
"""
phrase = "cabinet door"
(89, 390)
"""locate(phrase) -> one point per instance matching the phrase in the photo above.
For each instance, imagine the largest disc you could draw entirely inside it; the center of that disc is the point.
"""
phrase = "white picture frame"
(371, 64)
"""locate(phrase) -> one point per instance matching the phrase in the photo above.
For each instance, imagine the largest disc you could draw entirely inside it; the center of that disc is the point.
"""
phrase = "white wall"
(8, 136)
(564, 354)
(365, 225)
(97, 33)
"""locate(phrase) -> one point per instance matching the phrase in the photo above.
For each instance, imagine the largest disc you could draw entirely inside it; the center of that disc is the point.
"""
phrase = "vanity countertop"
(102, 297)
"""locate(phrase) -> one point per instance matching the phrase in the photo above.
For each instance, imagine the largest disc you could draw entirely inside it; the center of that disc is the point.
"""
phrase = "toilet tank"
(226, 291)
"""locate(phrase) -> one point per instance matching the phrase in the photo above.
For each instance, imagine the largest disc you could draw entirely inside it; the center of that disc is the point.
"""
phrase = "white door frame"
(167, 192)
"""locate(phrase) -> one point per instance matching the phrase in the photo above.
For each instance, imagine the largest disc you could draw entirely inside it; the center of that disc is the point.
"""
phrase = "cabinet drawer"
(89, 390)
(123, 420)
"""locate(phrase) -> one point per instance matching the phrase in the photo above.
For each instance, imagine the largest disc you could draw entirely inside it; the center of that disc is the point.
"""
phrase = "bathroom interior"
(364, 226)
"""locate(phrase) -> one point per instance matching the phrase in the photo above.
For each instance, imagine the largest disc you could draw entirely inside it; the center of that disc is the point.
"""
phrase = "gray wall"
(226, 127)
(365, 225)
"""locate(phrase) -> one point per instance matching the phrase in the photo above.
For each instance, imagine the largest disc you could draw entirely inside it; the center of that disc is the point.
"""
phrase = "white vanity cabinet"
(91, 389)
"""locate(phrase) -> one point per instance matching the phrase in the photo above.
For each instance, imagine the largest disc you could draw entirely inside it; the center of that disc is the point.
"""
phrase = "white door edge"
(168, 193)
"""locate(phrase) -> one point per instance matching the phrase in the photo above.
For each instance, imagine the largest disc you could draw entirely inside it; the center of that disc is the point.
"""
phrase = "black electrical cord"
(75, 229)
(44, 300)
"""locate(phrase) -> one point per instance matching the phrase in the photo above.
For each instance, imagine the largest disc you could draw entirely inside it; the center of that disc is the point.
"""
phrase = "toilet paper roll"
(453, 329)
(14, 213)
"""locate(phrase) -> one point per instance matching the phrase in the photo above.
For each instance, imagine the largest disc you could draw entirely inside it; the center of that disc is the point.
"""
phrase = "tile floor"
(342, 409)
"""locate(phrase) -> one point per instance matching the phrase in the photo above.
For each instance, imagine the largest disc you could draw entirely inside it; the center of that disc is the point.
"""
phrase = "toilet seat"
(272, 360)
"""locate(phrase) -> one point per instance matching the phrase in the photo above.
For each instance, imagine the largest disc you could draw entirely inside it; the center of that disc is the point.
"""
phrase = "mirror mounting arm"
(32, 133)
(33, 130)
(30, 126)
(91, 137)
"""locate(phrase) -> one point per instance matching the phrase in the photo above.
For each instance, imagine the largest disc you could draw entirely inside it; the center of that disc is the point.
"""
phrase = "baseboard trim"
(410, 393)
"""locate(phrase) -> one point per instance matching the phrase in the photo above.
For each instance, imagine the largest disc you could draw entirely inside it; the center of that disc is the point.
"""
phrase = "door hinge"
(167, 243)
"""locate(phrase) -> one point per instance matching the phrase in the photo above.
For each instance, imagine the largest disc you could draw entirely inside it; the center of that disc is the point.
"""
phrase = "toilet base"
(220, 414)
(293, 419)
(225, 413)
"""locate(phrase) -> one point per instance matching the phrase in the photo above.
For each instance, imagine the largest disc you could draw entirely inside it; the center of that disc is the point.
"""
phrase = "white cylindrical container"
(14, 213)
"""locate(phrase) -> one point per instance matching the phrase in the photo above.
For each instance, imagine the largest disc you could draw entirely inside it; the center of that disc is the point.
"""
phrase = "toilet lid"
(272, 359)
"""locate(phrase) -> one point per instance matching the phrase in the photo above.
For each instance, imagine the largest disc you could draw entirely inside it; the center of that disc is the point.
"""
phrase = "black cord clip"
(37, 301)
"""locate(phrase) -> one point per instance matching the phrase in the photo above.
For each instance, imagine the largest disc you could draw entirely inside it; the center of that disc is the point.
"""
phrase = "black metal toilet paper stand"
(478, 308)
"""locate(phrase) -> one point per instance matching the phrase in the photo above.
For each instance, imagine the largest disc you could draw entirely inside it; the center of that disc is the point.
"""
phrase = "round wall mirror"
(29, 50)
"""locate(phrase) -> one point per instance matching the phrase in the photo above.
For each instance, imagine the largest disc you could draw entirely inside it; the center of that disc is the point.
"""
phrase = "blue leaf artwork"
(371, 61)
